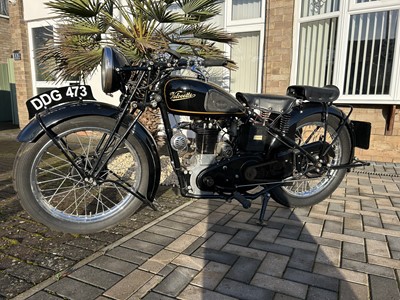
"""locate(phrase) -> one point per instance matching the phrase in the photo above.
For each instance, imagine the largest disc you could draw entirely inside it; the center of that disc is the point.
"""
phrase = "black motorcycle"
(85, 166)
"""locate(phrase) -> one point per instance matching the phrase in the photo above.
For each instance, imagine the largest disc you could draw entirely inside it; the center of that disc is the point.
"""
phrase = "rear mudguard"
(65, 112)
(312, 108)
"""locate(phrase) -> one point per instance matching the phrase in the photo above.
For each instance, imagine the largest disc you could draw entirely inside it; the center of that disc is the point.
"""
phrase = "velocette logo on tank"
(181, 95)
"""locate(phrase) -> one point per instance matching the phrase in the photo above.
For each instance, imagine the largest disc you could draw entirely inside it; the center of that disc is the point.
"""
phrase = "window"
(245, 19)
(40, 34)
(353, 44)
(3, 7)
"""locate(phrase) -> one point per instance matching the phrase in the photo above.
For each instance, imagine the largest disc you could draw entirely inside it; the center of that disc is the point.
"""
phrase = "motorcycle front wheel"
(55, 193)
(306, 189)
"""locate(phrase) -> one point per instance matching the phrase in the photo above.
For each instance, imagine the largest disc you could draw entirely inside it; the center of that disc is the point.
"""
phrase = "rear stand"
(245, 200)
(264, 204)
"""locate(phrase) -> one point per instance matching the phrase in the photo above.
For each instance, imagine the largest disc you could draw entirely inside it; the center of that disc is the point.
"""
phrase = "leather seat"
(328, 93)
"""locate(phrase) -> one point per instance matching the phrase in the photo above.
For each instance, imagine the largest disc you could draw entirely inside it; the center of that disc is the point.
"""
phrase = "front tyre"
(53, 191)
(308, 190)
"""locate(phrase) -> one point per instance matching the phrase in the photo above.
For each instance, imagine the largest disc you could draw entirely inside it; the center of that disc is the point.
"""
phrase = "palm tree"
(138, 28)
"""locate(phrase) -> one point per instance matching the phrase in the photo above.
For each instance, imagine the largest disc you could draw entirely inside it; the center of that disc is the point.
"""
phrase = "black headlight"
(111, 80)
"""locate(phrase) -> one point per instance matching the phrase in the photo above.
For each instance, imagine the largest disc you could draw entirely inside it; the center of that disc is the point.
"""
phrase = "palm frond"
(76, 8)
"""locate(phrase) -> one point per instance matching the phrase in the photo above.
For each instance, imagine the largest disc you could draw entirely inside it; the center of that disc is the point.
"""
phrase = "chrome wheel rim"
(66, 195)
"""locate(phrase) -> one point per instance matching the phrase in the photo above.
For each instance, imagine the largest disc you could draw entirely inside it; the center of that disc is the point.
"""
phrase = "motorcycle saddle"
(273, 103)
(328, 93)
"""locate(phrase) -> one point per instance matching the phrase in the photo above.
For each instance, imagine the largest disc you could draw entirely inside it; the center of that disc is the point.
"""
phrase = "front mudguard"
(33, 131)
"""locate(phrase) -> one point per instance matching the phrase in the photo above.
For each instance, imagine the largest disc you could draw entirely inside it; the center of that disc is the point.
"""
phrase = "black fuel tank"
(188, 96)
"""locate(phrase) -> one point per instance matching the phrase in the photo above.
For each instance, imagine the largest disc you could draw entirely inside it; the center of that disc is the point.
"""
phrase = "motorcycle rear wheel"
(309, 191)
(53, 192)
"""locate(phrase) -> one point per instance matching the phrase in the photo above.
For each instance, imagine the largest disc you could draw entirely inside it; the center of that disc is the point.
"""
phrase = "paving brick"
(243, 270)
(332, 226)
(215, 255)
(354, 251)
(211, 275)
(175, 282)
(243, 291)
(154, 238)
(312, 279)
(169, 232)
(225, 219)
(175, 225)
(156, 263)
(297, 244)
(302, 259)
(156, 296)
(352, 291)
(280, 285)
(142, 246)
(214, 217)
(194, 246)
(279, 296)
(167, 270)
(96, 277)
(339, 273)
(343, 237)
(113, 265)
(274, 264)
(244, 251)
(328, 255)
(140, 293)
(377, 248)
(320, 241)
(193, 215)
(372, 221)
(217, 241)
(181, 243)
(190, 262)
(243, 237)
(179, 219)
(318, 294)
(198, 210)
(368, 268)
(197, 293)
(267, 234)
(383, 288)
(74, 289)
(394, 243)
(366, 235)
(291, 231)
(242, 217)
(224, 229)
(199, 229)
(129, 285)
(312, 229)
(245, 226)
(384, 261)
(129, 255)
(271, 247)
(43, 296)
(326, 217)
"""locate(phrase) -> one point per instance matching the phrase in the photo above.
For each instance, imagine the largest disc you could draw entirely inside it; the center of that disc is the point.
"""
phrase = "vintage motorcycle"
(84, 165)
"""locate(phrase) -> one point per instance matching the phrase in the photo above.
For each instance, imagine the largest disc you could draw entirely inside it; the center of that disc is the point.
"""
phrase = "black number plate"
(57, 96)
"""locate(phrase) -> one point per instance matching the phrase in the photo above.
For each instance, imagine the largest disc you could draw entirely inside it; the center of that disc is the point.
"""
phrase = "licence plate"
(57, 96)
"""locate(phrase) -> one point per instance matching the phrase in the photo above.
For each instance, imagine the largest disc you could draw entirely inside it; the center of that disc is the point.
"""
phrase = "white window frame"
(344, 17)
(244, 26)
(8, 10)
(36, 84)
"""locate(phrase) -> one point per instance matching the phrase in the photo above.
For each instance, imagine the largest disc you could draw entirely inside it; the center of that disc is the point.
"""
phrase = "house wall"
(277, 71)
(5, 35)
(22, 68)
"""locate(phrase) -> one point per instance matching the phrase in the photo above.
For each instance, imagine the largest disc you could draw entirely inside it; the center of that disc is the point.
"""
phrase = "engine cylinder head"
(179, 142)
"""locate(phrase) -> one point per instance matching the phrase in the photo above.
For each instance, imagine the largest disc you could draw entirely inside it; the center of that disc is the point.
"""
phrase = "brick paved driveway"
(347, 247)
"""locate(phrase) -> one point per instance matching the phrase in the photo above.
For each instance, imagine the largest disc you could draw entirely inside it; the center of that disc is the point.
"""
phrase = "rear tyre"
(307, 191)
(54, 193)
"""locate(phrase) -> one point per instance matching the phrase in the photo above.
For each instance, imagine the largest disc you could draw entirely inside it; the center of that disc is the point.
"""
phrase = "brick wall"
(278, 46)
(5, 37)
(19, 41)
(383, 148)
